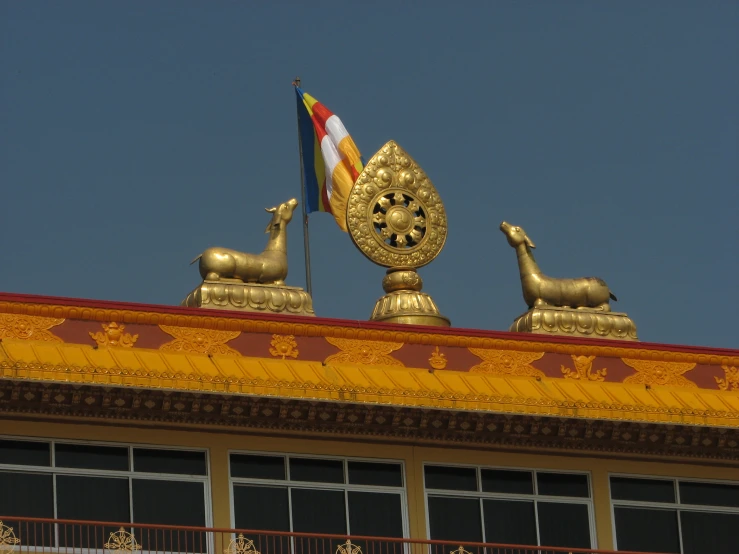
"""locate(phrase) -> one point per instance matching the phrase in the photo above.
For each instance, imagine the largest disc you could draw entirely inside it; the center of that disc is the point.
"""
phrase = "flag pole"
(306, 235)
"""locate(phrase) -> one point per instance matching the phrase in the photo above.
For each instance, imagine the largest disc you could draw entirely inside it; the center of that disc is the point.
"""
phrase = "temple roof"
(149, 353)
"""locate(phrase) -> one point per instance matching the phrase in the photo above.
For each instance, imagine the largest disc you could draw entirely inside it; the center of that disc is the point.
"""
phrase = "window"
(308, 494)
(508, 506)
(103, 482)
(676, 516)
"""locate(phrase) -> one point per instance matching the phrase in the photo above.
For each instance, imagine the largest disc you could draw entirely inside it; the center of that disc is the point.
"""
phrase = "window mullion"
(536, 520)
(482, 520)
(679, 530)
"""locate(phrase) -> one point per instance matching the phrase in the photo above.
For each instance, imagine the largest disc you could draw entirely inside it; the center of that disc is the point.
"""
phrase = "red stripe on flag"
(324, 198)
(321, 113)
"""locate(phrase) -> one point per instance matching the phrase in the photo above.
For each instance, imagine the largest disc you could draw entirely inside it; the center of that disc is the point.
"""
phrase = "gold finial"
(7, 539)
(563, 306)
(122, 541)
(241, 545)
(241, 281)
(396, 219)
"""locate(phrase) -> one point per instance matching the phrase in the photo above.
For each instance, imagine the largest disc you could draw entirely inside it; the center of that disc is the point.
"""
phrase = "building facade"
(201, 419)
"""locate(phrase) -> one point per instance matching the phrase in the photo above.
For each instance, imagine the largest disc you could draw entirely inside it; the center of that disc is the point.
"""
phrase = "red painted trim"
(331, 322)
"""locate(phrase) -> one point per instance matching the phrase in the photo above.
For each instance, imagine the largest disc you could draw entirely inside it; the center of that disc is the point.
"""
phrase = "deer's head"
(281, 214)
(516, 235)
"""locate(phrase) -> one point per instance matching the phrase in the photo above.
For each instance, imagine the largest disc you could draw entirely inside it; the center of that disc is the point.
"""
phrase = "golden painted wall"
(413, 457)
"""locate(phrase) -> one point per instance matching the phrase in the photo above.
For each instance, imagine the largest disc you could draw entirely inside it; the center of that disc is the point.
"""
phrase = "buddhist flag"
(331, 160)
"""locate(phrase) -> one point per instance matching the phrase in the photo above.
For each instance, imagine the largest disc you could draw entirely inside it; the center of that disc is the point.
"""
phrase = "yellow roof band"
(441, 389)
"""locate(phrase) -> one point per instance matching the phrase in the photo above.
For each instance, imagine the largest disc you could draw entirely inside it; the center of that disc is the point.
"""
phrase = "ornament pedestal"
(250, 297)
(583, 322)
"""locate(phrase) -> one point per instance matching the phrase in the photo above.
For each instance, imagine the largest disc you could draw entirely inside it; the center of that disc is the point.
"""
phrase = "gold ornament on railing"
(348, 548)
(7, 539)
(122, 541)
(460, 550)
(241, 545)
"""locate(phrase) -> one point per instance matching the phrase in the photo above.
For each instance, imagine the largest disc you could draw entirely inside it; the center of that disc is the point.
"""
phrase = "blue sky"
(133, 135)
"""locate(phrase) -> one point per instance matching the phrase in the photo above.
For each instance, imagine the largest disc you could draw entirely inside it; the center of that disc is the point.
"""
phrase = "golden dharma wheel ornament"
(394, 214)
(396, 218)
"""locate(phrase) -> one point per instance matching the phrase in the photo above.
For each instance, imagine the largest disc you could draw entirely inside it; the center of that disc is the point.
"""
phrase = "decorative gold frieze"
(583, 369)
(364, 352)
(730, 380)
(651, 372)
(113, 335)
(284, 346)
(7, 539)
(507, 362)
(438, 359)
(26, 327)
(200, 341)
(122, 541)
(241, 545)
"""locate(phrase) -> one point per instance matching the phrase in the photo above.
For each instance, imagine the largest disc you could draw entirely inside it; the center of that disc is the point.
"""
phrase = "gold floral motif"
(731, 378)
(365, 352)
(284, 346)
(507, 362)
(7, 539)
(652, 372)
(348, 548)
(200, 341)
(438, 359)
(113, 335)
(122, 541)
(241, 545)
(27, 327)
(583, 369)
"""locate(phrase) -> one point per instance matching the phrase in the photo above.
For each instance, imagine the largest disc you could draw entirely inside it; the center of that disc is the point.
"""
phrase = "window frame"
(129, 475)
(535, 497)
(675, 506)
(345, 487)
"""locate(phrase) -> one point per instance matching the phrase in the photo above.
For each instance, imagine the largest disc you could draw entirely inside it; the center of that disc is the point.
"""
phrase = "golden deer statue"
(269, 267)
(541, 291)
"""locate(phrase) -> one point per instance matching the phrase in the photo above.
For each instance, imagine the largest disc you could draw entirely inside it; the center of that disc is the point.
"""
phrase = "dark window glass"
(85, 456)
(455, 519)
(709, 494)
(169, 503)
(317, 471)
(709, 533)
(503, 480)
(563, 484)
(375, 514)
(25, 453)
(645, 530)
(93, 499)
(261, 508)
(564, 525)
(318, 511)
(646, 490)
(257, 467)
(183, 462)
(509, 522)
(28, 495)
(368, 473)
(451, 478)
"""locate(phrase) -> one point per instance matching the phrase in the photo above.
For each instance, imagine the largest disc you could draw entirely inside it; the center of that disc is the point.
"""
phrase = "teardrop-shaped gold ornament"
(396, 218)
(394, 214)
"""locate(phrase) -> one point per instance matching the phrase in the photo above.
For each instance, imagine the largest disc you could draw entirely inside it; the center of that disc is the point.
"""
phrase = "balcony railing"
(40, 536)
